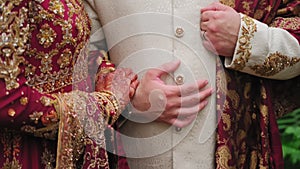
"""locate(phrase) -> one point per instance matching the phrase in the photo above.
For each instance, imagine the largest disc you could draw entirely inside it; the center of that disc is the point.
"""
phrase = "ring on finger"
(203, 35)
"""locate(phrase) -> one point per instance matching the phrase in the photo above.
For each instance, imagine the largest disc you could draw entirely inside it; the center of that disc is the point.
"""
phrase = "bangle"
(109, 104)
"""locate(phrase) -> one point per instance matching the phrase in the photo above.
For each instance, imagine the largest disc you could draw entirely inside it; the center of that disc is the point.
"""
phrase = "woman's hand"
(122, 82)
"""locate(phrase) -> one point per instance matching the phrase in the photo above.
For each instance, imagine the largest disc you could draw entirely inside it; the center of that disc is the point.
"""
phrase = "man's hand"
(176, 105)
(220, 27)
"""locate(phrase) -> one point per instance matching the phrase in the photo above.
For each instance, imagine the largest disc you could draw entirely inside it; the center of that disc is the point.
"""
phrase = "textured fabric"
(42, 45)
(142, 34)
(248, 135)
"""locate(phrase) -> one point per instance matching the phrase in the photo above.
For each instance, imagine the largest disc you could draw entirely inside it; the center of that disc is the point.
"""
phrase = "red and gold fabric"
(248, 135)
(49, 116)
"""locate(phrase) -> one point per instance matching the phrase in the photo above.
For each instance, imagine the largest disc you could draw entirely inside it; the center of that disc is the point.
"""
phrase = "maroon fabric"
(248, 135)
(42, 35)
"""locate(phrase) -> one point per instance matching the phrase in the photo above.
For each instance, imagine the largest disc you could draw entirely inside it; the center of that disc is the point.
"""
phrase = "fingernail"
(206, 82)
(212, 91)
(205, 102)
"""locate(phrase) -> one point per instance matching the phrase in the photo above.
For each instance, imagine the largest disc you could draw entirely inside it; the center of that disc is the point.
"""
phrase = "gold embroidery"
(226, 119)
(35, 116)
(14, 164)
(50, 118)
(263, 92)
(49, 132)
(57, 7)
(30, 70)
(46, 101)
(230, 3)
(46, 59)
(244, 50)
(65, 58)
(48, 159)
(94, 154)
(24, 101)
(275, 63)
(241, 135)
(286, 23)
(253, 161)
(46, 36)
(246, 6)
(67, 33)
(264, 113)
(43, 76)
(247, 90)
(79, 117)
(11, 148)
(14, 36)
(235, 98)
(223, 156)
(259, 13)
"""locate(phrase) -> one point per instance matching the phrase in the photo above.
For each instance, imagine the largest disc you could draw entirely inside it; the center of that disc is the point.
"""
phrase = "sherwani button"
(179, 32)
(179, 79)
(178, 129)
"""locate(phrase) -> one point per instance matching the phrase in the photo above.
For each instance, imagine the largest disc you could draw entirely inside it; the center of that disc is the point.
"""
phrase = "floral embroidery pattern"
(275, 63)
(57, 7)
(46, 36)
(244, 49)
(12, 43)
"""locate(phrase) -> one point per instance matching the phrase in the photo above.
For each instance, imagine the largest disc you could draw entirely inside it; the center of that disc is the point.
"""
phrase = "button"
(179, 80)
(178, 129)
(179, 32)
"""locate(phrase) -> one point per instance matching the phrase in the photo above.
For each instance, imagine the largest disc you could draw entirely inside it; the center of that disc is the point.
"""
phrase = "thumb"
(168, 67)
(215, 6)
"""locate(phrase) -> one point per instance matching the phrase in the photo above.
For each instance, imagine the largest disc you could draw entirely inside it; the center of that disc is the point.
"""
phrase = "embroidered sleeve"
(266, 51)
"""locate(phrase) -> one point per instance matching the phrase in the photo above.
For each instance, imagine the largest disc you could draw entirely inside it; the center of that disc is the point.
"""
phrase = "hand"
(122, 82)
(177, 105)
(220, 26)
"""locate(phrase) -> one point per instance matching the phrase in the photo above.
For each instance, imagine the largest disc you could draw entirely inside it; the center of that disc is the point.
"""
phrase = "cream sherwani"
(146, 33)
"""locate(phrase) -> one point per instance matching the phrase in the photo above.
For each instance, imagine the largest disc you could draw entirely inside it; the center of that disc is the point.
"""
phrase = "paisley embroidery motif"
(275, 63)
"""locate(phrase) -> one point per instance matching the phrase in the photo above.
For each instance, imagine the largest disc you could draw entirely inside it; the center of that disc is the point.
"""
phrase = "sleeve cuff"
(252, 45)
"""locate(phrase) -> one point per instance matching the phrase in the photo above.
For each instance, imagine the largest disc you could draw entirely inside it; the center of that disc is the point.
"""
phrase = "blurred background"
(289, 127)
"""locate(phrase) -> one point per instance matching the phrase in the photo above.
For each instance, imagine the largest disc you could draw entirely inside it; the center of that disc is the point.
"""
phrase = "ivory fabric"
(145, 34)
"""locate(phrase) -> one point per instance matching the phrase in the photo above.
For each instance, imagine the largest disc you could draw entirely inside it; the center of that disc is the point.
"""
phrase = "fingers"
(203, 26)
(169, 67)
(215, 6)
(206, 16)
(191, 88)
(186, 116)
(182, 116)
(195, 99)
(133, 87)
